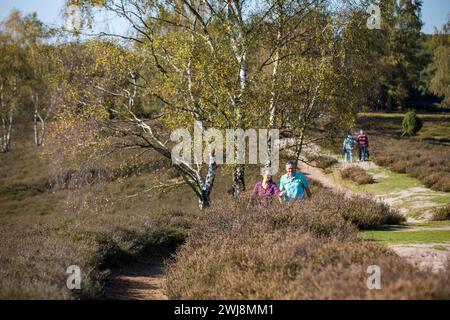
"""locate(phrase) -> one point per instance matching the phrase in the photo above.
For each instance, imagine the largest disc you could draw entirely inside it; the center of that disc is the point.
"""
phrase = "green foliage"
(411, 123)
(440, 82)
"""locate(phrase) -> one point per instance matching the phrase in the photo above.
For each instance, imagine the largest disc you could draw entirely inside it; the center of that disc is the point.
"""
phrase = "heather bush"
(294, 253)
(356, 174)
(442, 213)
(429, 163)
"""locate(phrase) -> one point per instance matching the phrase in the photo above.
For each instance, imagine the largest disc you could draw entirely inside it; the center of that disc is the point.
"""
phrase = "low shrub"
(356, 174)
(411, 123)
(441, 214)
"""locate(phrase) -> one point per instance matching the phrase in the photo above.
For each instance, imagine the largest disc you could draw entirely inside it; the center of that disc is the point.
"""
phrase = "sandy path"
(318, 175)
(425, 257)
(142, 280)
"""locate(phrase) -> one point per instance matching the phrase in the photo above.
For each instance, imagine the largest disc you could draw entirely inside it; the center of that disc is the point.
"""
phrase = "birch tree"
(219, 64)
(13, 75)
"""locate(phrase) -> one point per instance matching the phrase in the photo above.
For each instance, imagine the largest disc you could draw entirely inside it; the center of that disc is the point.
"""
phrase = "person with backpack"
(347, 146)
(363, 146)
(294, 184)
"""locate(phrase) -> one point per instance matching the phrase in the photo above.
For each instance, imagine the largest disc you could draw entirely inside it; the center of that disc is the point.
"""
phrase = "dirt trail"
(141, 280)
(318, 175)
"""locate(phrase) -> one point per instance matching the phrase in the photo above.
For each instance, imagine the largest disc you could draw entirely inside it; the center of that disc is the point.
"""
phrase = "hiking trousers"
(348, 157)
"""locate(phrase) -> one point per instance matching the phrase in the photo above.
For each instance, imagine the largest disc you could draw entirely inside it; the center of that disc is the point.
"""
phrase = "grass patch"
(43, 231)
(390, 183)
(441, 199)
(430, 224)
(402, 237)
(440, 247)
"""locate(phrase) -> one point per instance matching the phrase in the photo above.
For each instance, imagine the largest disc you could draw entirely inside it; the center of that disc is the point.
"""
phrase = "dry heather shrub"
(429, 163)
(367, 213)
(432, 179)
(361, 211)
(399, 166)
(265, 254)
(441, 214)
(356, 174)
(442, 184)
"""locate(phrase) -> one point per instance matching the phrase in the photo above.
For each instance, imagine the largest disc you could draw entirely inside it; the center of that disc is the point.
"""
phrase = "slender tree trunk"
(239, 46)
(3, 136)
(7, 130)
(39, 134)
(35, 119)
(3, 127)
(238, 179)
(239, 170)
(7, 124)
(204, 200)
(272, 102)
(273, 95)
(205, 186)
(41, 139)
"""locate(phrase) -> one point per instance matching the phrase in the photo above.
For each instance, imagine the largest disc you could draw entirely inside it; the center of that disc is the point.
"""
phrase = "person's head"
(266, 175)
(361, 131)
(290, 168)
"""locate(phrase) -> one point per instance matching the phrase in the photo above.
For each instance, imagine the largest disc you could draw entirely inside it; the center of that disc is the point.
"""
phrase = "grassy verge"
(430, 224)
(388, 182)
(403, 237)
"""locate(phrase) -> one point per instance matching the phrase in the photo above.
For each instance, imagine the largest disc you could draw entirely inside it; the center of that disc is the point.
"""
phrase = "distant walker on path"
(363, 146)
(347, 146)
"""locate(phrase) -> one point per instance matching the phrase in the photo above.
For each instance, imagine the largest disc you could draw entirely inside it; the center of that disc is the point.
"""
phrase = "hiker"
(294, 184)
(347, 145)
(265, 190)
(363, 146)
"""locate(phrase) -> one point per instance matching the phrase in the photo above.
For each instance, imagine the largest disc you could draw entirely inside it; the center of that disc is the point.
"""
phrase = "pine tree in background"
(403, 63)
(411, 123)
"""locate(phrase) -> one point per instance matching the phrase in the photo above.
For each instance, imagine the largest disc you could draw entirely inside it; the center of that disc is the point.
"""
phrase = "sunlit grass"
(402, 237)
(445, 223)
